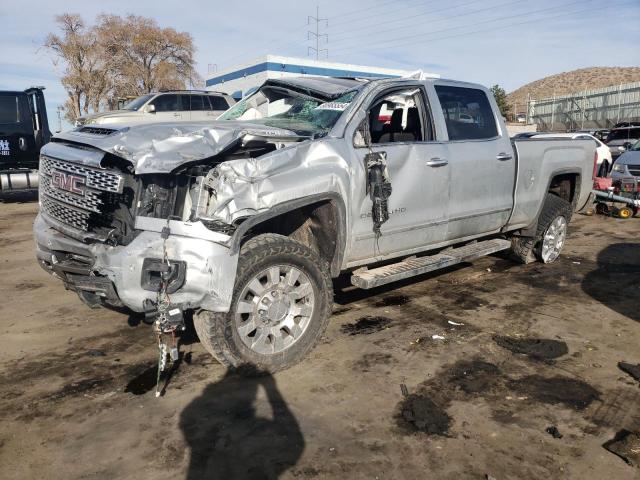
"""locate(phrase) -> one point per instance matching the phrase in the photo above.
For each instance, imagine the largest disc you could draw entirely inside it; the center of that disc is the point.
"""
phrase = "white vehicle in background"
(603, 162)
(173, 106)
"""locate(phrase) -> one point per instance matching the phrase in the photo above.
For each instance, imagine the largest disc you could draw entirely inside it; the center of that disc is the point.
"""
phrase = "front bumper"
(112, 276)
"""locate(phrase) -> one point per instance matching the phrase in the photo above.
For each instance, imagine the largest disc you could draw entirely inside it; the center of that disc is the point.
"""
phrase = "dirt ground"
(525, 348)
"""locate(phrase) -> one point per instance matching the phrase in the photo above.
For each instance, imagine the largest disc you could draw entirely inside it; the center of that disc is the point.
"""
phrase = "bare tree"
(145, 56)
(119, 56)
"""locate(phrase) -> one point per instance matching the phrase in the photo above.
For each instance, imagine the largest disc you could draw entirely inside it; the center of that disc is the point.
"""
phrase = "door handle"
(503, 157)
(177, 114)
(437, 162)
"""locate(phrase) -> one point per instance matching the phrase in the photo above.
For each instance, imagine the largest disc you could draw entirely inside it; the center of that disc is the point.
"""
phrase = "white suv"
(180, 105)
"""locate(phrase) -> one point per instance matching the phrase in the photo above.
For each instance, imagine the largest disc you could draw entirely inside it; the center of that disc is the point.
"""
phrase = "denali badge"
(68, 181)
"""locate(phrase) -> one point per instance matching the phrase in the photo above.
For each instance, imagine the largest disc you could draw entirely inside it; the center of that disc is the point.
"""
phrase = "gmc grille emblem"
(68, 181)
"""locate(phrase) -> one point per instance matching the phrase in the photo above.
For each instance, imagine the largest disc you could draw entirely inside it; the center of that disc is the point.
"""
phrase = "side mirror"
(151, 108)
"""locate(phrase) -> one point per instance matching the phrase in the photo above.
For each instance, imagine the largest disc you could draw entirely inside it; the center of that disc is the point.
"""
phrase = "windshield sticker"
(337, 106)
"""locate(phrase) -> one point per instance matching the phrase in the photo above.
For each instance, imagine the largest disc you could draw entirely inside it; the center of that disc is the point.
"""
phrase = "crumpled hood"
(163, 147)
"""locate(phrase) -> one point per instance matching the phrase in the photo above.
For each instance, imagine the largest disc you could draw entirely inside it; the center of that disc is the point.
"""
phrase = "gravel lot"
(379, 397)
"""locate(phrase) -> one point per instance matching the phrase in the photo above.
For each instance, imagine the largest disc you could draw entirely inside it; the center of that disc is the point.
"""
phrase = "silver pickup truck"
(244, 221)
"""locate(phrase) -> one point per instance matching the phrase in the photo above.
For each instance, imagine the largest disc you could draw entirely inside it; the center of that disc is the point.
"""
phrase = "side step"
(417, 266)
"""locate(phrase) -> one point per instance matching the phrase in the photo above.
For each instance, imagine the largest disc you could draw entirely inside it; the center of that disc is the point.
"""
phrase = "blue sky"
(510, 42)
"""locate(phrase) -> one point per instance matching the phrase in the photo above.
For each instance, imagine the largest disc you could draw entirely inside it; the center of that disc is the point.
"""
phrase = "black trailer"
(24, 129)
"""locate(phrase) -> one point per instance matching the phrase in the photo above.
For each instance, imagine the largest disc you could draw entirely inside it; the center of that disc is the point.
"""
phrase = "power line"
(431, 12)
(317, 35)
(496, 19)
(563, 14)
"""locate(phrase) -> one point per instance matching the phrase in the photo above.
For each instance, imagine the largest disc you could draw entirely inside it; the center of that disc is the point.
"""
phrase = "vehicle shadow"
(229, 439)
(616, 281)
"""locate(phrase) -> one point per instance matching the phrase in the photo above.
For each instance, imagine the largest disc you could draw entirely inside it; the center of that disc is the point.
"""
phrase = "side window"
(9, 112)
(467, 113)
(397, 117)
(166, 103)
(219, 103)
(197, 103)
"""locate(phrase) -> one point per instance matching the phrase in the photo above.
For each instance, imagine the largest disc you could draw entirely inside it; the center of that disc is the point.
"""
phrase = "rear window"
(467, 113)
(9, 112)
(624, 134)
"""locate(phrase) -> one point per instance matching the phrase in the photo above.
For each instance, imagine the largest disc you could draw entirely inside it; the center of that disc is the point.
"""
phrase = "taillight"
(595, 165)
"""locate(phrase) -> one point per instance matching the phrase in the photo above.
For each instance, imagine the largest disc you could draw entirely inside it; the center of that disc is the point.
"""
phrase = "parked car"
(603, 161)
(627, 164)
(245, 220)
(179, 105)
(621, 138)
(521, 118)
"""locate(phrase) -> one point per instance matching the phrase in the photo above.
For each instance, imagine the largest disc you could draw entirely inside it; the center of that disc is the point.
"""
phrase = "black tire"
(526, 249)
(217, 331)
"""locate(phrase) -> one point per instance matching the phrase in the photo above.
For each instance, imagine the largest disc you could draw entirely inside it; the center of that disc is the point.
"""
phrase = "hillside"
(574, 81)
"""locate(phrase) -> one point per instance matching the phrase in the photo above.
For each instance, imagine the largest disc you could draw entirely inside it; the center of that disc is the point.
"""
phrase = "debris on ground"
(536, 348)
(366, 325)
(553, 431)
(424, 415)
(454, 323)
(631, 369)
(96, 353)
(437, 337)
(626, 445)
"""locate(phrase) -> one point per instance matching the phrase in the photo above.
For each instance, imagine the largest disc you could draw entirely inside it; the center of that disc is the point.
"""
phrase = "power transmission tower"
(317, 35)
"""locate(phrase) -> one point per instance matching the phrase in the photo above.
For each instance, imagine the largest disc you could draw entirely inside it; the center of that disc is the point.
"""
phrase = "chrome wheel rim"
(274, 309)
(553, 240)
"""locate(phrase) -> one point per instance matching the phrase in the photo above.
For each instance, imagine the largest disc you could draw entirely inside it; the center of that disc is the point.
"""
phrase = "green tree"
(501, 99)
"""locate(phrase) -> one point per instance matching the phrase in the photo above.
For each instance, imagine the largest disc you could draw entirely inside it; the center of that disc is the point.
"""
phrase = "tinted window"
(199, 103)
(219, 103)
(9, 109)
(166, 103)
(624, 134)
(467, 112)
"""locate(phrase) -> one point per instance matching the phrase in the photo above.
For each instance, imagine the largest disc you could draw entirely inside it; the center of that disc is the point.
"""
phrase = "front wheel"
(280, 307)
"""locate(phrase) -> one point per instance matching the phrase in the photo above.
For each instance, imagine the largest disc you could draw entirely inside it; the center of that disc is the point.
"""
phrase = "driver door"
(400, 124)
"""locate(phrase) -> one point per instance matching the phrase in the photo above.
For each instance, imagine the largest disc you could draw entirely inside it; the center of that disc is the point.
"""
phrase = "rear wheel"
(280, 308)
(550, 236)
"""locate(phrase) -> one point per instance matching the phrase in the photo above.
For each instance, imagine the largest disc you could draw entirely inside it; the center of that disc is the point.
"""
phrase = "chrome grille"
(634, 170)
(90, 201)
(65, 213)
(99, 179)
(101, 191)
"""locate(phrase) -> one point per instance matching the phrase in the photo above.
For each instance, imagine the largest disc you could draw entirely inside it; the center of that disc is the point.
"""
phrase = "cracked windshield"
(281, 108)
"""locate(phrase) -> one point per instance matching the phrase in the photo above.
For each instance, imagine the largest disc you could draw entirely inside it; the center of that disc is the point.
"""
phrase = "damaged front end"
(105, 230)
(128, 212)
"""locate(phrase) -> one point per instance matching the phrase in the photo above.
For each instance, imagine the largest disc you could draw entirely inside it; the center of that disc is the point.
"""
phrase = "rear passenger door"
(199, 106)
(168, 108)
(480, 160)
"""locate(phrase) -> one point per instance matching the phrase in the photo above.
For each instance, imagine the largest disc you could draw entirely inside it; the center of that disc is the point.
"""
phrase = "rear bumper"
(113, 276)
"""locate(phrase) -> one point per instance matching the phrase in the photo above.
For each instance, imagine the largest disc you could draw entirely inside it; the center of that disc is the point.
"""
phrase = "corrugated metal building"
(600, 108)
(242, 79)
